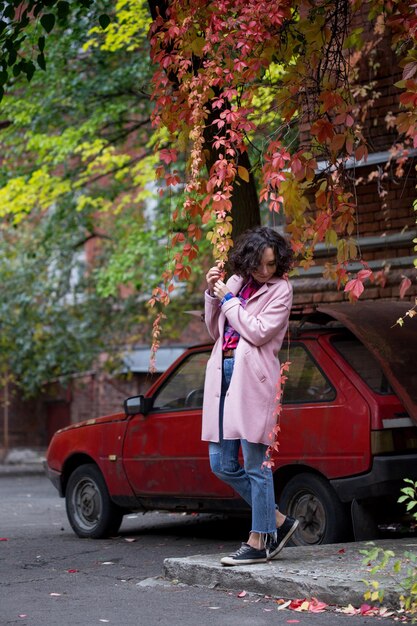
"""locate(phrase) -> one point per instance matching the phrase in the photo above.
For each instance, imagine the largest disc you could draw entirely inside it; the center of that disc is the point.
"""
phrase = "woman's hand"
(213, 275)
(220, 289)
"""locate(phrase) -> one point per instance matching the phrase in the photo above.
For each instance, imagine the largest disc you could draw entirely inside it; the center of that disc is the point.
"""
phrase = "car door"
(163, 451)
(325, 422)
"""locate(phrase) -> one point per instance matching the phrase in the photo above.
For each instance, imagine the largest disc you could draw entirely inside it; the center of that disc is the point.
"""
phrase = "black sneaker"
(246, 555)
(284, 533)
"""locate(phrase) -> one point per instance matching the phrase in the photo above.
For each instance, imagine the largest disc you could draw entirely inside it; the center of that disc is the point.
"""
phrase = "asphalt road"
(49, 577)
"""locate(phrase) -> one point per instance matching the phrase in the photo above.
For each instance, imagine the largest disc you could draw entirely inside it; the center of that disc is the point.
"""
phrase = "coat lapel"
(236, 283)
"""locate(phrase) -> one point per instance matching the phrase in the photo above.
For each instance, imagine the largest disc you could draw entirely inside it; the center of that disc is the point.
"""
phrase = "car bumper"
(55, 477)
(386, 478)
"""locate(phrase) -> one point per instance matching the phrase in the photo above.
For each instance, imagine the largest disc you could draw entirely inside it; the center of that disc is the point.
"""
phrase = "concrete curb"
(332, 573)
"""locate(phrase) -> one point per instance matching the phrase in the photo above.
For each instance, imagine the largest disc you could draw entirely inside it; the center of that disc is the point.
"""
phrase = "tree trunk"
(245, 202)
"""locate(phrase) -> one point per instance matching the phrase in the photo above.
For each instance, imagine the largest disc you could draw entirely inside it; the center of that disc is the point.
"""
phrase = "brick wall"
(384, 192)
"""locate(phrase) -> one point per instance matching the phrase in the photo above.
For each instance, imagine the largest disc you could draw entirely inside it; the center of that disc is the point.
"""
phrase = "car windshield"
(363, 362)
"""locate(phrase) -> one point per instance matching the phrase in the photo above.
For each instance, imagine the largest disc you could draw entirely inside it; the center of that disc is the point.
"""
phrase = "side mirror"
(137, 404)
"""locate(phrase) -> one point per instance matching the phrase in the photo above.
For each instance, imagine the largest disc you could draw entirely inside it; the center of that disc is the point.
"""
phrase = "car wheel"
(322, 516)
(90, 510)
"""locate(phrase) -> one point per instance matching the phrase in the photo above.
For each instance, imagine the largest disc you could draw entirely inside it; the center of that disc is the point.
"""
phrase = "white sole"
(228, 560)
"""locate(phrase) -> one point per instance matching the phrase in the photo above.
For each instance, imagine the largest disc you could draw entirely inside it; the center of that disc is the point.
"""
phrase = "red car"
(348, 435)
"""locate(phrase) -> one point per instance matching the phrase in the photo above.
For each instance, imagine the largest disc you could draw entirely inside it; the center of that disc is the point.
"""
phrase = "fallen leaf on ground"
(348, 610)
(295, 604)
(72, 571)
(384, 612)
(242, 594)
(316, 606)
(285, 605)
(367, 609)
(3, 539)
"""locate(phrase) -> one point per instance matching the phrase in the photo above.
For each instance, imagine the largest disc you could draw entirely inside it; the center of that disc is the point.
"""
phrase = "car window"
(184, 388)
(306, 382)
(363, 362)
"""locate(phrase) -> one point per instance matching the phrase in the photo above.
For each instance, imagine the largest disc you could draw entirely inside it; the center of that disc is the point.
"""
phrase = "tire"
(322, 516)
(90, 510)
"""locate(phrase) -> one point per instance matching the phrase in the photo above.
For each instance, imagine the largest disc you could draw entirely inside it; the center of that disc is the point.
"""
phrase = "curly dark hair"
(249, 248)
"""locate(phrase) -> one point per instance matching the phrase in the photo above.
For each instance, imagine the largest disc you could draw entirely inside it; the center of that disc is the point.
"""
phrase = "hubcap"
(312, 517)
(87, 504)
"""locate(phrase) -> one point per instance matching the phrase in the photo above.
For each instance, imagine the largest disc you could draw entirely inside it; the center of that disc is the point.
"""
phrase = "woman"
(247, 318)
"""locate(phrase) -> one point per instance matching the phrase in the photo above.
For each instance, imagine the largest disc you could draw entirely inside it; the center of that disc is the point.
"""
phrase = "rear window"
(363, 362)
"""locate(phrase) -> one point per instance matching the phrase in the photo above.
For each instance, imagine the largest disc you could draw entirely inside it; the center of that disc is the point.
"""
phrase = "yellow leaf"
(243, 173)
(197, 46)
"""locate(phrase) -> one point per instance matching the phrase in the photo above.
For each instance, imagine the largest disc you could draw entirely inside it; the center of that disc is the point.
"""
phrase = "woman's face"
(266, 268)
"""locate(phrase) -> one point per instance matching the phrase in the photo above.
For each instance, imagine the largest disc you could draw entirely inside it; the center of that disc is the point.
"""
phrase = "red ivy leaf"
(355, 288)
(405, 285)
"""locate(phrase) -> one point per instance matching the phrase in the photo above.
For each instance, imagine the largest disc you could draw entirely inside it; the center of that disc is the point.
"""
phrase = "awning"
(137, 359)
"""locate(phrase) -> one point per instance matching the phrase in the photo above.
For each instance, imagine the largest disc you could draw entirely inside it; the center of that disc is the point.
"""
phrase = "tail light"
(398, 435)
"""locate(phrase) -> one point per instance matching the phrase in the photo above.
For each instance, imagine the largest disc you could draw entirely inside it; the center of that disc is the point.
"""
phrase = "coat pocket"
(253, 363)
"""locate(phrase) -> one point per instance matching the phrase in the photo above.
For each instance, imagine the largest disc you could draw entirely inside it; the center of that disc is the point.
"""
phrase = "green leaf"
(41, 61)
(17, 69)
(38, 8)
(29, 69)
(9, 12)
(11, 59)
(48, 21)
(104, 21)
(63, 9)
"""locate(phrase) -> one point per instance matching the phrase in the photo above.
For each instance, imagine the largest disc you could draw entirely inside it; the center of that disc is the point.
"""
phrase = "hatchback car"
(348, 435)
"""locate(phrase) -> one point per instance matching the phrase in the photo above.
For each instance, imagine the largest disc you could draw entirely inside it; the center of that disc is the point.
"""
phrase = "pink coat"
(250, 400)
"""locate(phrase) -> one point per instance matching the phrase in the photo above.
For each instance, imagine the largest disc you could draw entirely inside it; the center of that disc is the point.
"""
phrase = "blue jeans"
(254, 481)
